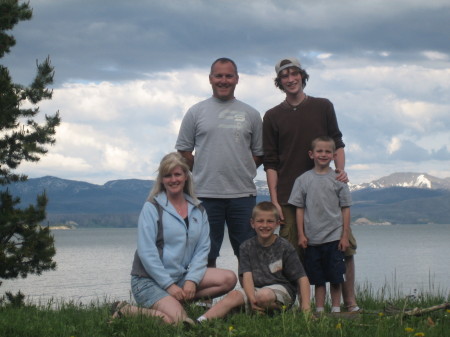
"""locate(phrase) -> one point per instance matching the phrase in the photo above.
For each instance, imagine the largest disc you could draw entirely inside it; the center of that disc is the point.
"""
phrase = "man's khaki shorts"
(351, 250)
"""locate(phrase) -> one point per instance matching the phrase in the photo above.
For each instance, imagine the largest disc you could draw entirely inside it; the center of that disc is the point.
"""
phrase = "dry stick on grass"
(416, 311)
(419, 312)
(390, 311)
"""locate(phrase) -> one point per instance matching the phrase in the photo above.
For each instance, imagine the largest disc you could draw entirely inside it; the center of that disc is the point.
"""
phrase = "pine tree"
(25, 246)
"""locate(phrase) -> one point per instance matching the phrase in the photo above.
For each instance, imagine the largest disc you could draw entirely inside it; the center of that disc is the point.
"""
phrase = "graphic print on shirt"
(232, 119)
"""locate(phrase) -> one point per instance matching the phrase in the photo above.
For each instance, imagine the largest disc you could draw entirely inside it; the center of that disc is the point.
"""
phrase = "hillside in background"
(400, 198)
(402, 205)
(114, 204)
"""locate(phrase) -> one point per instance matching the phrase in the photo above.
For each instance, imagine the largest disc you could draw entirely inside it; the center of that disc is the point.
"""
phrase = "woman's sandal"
(188, 323)
(354, 309)
(116, 307)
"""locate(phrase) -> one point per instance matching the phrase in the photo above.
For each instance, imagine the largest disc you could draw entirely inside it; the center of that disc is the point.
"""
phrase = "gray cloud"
(409, 151)
(116, 40)
(442, 154)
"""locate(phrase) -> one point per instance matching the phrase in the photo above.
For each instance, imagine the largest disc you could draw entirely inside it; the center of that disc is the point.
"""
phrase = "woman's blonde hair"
(167, 164)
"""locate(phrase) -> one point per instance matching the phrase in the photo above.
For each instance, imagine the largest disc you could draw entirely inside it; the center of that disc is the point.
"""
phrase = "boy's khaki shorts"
(281, 294)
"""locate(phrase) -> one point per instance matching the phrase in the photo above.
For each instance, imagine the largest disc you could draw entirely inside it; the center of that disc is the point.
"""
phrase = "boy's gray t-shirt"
(225, 136)
(322, 197)
(276, 264)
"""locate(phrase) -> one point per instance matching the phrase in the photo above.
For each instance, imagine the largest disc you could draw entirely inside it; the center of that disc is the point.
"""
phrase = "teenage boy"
(271, 270)
(288, 130)
(323, 220)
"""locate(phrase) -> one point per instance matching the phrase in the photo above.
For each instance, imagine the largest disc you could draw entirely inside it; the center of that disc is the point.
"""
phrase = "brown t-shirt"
(287, 136)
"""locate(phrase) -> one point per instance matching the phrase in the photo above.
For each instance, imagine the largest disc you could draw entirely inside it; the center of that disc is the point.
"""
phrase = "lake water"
(94, 264)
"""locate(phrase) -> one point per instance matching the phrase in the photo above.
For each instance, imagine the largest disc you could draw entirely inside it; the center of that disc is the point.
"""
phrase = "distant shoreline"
(61, 227)
(367, 222)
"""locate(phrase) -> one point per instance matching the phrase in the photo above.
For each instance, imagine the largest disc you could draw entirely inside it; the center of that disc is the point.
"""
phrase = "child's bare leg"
(266, 298)
(232, 300)
(335, 293)
(319, 295)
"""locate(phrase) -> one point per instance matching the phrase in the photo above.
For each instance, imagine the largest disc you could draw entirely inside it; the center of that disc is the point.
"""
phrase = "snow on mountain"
(400, 179)
(405, 179)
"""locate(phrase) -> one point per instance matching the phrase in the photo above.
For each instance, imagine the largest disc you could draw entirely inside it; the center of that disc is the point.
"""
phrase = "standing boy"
(226, 135)
(272, 272)
(323, 220)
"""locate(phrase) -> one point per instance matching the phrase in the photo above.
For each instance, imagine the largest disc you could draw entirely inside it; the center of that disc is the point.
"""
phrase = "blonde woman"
(168, 274)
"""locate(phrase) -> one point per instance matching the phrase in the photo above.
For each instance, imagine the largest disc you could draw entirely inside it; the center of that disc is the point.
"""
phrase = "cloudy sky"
(127, 71)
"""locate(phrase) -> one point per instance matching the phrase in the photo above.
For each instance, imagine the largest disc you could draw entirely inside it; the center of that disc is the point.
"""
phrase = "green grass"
(61, 319)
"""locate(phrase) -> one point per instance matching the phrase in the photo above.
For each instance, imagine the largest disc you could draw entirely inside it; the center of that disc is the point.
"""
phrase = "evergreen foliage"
(25, 247)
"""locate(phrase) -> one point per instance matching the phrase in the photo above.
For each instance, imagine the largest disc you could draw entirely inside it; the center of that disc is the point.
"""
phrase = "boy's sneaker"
(207, 304)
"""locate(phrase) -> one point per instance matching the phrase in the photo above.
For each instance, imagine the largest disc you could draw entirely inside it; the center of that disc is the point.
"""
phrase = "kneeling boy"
(270, 267)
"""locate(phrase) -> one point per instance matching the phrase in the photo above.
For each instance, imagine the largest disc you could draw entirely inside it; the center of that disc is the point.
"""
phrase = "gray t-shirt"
(322, 197)
(276, 264)
(225, 136)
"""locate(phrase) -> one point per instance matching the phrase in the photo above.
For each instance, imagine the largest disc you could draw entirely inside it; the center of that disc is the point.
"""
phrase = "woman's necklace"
(182, 209)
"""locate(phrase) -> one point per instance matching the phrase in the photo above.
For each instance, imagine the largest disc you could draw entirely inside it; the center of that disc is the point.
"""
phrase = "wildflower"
(419, 334)
(283, 308)
(230, 328)
(409, 329)
(339, 326)
(381, 314)
(448, 311)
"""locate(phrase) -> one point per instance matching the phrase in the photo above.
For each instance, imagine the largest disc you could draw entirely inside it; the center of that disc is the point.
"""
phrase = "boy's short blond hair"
(326, 139)
(265, 206)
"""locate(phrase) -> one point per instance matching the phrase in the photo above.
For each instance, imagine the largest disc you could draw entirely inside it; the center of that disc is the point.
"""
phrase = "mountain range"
(400, 198)
(406, 179)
